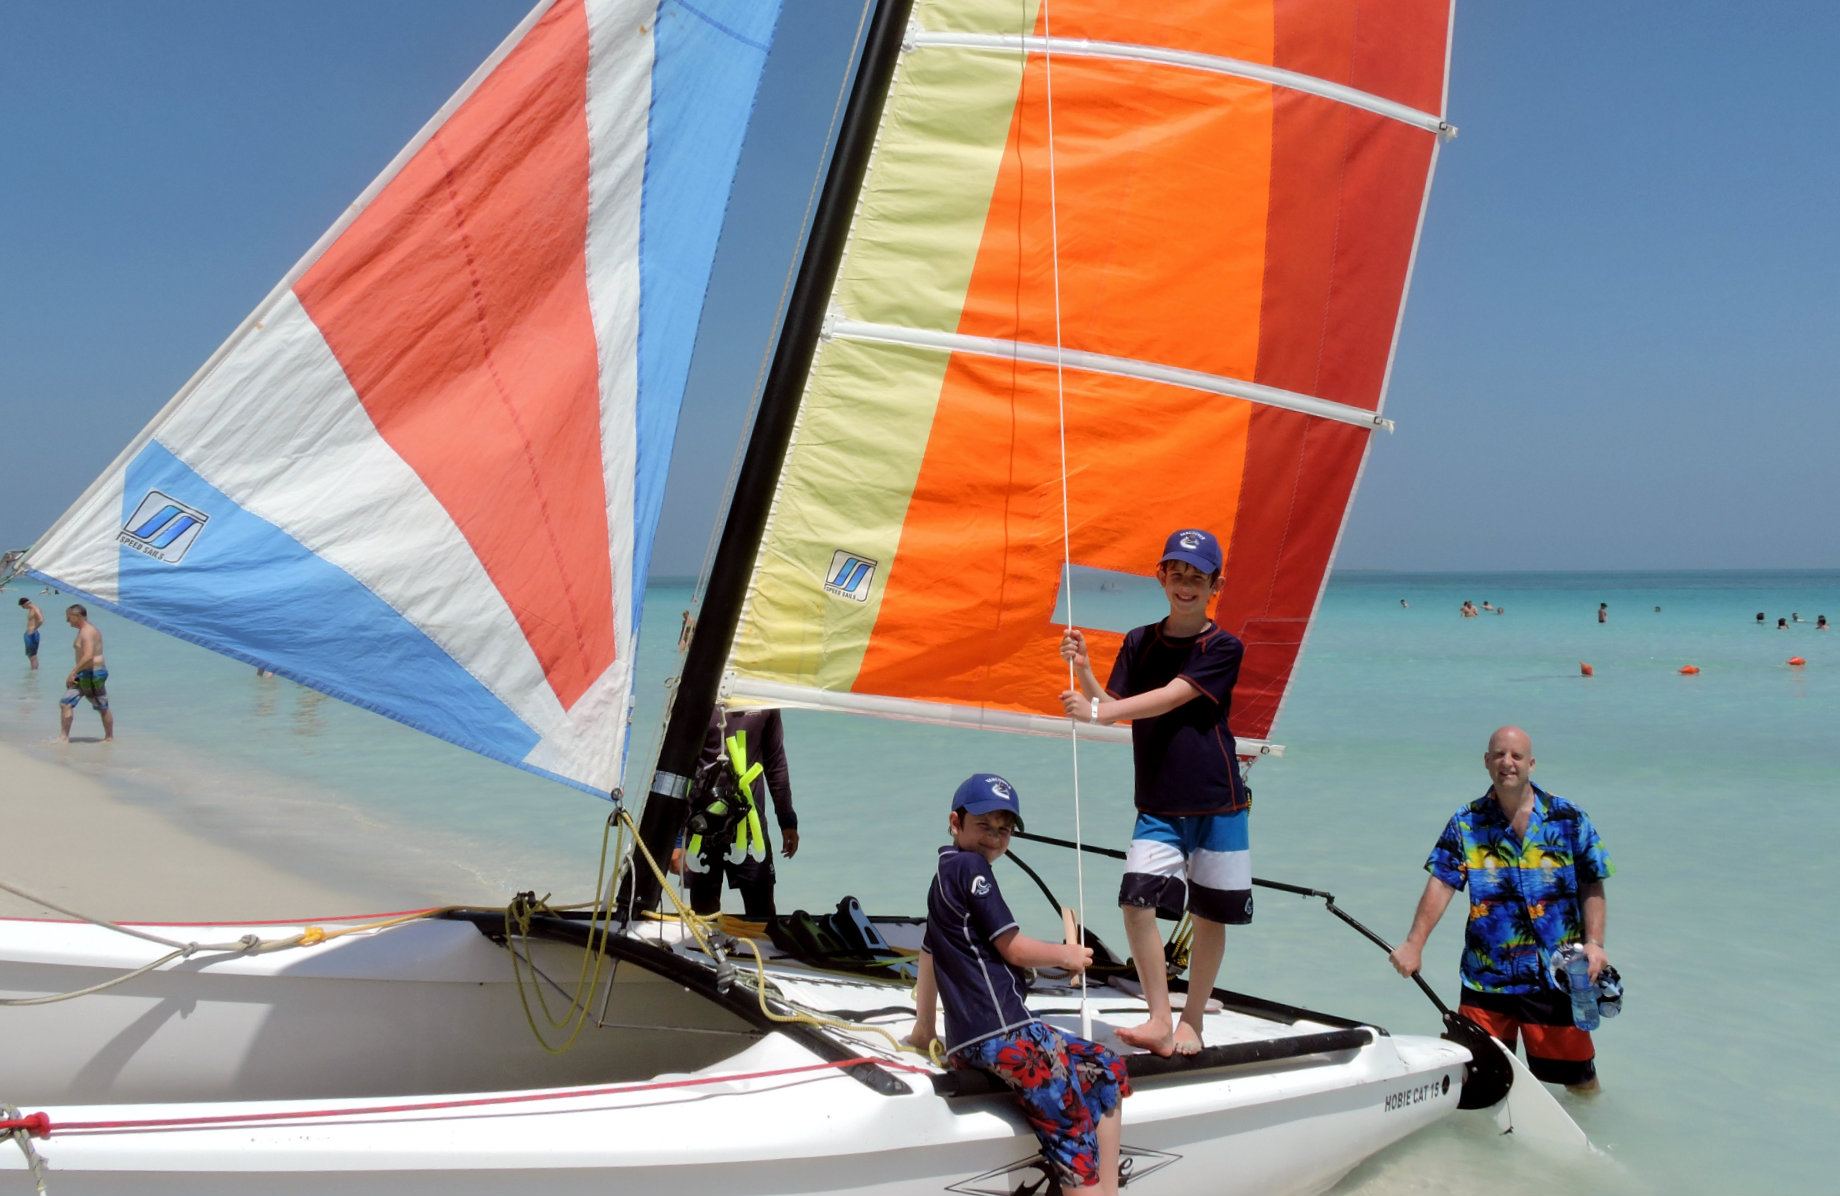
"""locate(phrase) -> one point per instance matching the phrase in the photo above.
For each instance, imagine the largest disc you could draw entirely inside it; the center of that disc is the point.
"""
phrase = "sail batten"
(1188, 60)
(1099, 363)
(1236, 191)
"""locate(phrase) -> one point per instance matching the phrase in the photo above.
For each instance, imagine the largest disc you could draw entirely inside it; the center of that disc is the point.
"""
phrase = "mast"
(666, 806)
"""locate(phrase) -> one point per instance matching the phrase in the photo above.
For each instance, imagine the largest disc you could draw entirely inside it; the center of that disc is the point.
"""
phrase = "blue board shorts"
(91, 684)
(1198, 862)
(31, 644)
(1065, 1085)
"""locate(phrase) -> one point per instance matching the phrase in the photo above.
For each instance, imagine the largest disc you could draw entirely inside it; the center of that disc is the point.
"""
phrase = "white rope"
(1060, 397)
(249, 944)
(23, 1139)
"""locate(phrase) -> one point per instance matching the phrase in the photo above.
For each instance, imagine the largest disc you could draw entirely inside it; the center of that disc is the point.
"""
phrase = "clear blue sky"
(1618, 351)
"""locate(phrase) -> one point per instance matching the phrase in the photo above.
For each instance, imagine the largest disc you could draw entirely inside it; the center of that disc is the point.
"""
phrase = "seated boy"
(971, 961)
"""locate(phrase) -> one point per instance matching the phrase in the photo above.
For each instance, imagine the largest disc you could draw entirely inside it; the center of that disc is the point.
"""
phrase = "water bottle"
(1577, 971)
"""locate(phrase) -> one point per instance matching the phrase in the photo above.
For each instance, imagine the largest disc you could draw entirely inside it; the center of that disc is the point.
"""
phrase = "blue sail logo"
(849, 576)
(162, 527)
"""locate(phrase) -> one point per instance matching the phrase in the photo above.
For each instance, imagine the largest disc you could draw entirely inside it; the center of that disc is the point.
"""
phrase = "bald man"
(1535, 870)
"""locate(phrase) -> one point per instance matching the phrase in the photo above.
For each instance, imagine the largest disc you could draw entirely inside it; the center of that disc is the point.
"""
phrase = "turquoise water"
(1720, 1075)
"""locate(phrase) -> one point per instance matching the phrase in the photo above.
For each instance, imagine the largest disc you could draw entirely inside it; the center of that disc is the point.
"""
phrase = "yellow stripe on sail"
(863, 424)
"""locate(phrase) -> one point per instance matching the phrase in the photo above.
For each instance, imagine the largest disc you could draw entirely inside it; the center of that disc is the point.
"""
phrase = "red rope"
(36, 1124)
(39, 1125)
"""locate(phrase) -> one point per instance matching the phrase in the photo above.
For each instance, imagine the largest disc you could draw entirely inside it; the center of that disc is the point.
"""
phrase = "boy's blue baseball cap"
(986, 793)
(1192, 546)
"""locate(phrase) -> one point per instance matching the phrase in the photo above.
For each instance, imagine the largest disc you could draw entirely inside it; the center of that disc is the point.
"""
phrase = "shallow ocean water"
(1710, 791)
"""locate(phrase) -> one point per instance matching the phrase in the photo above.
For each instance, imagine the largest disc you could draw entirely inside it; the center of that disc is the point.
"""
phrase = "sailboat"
(1043, 222)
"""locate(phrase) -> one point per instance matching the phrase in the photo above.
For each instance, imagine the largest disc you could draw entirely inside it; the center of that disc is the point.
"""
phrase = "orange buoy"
(1689, 670)
(1796, 662)
(1585, 670)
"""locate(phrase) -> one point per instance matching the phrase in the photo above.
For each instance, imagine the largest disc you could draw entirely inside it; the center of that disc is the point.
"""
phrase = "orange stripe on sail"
(1225, 30)
(457, 305)
(1160, 180)
(968, 617)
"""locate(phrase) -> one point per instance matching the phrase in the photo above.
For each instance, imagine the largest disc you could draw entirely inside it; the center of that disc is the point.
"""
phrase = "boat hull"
(765, 1110)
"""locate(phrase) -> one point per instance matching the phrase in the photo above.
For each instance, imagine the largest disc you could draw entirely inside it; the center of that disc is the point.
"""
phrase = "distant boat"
(424, 477)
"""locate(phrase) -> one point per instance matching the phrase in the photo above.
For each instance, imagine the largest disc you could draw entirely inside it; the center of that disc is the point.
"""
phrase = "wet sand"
(69, 840)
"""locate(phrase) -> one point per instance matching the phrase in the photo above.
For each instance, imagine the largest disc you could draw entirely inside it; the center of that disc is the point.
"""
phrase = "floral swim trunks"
(1065, 1085)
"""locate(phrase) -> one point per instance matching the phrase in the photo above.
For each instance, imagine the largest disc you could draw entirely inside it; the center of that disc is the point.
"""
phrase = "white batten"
(746, 691)
(1214, 64)
(1101, 363)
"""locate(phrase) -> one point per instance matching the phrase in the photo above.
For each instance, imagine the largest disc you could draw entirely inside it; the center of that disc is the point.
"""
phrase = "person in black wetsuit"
(739, 847)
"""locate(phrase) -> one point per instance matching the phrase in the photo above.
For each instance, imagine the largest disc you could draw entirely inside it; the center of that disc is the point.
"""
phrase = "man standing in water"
(35, 618)
(89, 679)
(1535, 870)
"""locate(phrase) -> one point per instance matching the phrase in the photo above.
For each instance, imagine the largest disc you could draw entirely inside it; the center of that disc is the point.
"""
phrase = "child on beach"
(1174, 680)
(971, 961)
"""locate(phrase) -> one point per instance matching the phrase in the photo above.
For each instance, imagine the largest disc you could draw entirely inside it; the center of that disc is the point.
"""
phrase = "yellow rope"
(698, 925)
(527, 906)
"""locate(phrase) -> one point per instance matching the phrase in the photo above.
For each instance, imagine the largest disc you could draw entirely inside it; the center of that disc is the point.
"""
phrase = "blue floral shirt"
(1523, 892)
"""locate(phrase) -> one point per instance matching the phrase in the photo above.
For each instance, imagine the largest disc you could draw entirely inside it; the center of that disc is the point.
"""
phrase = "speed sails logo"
(849, 576)
(162, 527)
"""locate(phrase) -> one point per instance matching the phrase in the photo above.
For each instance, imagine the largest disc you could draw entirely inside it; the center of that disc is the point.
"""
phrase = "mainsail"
(424, 476)
(1214, 248)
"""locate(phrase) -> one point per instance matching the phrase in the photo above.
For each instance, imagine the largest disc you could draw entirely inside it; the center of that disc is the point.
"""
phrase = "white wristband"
(1095, 710)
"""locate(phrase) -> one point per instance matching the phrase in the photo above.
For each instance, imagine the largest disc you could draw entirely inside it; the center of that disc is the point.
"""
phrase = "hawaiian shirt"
(1523, 892)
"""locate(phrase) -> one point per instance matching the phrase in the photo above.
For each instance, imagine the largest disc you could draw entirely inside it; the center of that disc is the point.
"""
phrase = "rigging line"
(1060, 400)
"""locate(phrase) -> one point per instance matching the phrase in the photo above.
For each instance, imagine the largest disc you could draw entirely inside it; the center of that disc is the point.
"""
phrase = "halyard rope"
(1060, 394)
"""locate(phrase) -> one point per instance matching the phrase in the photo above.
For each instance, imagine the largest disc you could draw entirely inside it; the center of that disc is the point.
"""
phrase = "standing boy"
(89, 679)
(1174, 680)
(35, 618)
(971, 961)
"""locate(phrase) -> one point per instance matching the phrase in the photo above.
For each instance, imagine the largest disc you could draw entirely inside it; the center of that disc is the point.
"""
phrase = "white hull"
(308, 1051)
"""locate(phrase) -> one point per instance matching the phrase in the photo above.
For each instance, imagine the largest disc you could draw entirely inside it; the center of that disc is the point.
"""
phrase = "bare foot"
(1188, 1040)
(1154, 1036)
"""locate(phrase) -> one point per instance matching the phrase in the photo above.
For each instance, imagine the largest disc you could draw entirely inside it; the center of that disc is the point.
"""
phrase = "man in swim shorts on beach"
(35, 618)
(1535, 870)
(88, 680)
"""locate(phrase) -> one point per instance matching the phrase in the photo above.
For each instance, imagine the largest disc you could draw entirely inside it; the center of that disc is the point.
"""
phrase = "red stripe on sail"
(1299, 474)
(1390, 48)
(457, 305)
(1347, 187)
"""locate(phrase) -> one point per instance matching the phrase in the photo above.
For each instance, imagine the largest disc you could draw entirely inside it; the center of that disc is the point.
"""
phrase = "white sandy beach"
(71, 841)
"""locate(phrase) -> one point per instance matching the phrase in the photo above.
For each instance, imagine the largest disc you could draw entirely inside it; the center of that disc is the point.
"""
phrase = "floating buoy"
(1796, 662)
(1585, 670)
(1689, 670)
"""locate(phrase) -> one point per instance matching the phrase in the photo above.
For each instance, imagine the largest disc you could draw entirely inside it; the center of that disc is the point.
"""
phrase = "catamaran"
(1077, 273)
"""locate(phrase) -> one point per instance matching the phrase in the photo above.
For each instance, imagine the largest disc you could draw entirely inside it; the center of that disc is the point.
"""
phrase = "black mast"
(666, 806)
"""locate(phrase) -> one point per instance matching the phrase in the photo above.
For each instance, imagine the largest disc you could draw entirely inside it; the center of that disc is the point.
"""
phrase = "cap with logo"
(1192, 546)
(986, 793)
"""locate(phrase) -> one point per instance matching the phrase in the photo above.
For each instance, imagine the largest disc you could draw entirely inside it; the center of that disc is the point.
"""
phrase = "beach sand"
(71, 841)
